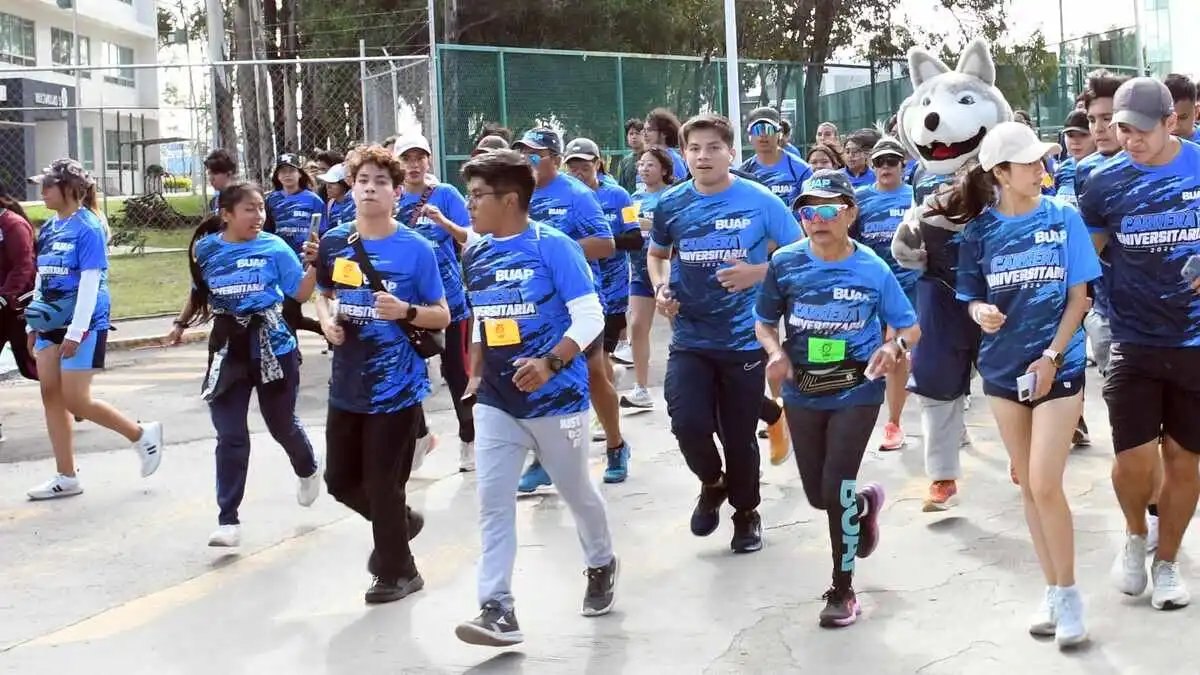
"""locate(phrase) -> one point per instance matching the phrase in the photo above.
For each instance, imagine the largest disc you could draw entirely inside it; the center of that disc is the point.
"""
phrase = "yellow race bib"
(501, 332)
(630, 213)
(347, 273)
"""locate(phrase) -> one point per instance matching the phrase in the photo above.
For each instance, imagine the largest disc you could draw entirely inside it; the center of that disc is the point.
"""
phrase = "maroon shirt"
(18, 264)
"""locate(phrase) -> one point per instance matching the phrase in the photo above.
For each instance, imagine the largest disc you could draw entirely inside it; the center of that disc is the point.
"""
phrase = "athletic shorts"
(1060, 389)
(639, 284)
(89, 356)
(613, 325)
(1151, 391)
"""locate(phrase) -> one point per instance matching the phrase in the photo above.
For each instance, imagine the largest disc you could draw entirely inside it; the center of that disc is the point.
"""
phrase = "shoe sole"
(842, 623)
(753, 548)
(620, 361)
(1043, 630)
(406, 590)
(474, 635)
(1169, 605)
(884, 447)
(627, 404)
(56, 495)
(614, 481)
(587, 611)
(931, 506)
(1067, 643)
(223, 544)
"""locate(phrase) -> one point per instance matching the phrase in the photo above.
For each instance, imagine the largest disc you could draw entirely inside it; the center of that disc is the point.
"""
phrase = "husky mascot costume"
(941, 125)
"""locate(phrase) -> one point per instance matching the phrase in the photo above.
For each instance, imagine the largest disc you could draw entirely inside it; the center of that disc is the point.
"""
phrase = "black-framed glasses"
(476, 196)
(886, 160)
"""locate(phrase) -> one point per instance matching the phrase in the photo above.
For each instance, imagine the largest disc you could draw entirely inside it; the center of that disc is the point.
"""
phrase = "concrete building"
(117, 105)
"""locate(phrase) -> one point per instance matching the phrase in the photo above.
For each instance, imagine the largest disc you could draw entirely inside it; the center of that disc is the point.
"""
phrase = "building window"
(87, 147)
(117, 144)
(60, 51)
(116, 55)
(17, 43)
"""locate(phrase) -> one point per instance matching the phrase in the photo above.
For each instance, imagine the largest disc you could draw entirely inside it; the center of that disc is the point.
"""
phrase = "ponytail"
(973, 191)
(198, 301)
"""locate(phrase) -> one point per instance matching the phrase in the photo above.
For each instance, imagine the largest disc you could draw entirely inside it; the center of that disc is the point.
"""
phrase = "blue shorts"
(949, 346)
(639, 284)
(89, 356)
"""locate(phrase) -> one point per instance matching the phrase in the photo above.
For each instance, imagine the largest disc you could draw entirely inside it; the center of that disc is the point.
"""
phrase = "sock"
(1152, 510)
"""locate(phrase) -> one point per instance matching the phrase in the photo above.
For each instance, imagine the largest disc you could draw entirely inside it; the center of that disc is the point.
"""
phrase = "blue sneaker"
(534, 476)
(618, 464)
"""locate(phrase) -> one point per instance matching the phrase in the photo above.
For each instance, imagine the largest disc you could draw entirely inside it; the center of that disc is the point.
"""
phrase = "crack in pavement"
(964, 650)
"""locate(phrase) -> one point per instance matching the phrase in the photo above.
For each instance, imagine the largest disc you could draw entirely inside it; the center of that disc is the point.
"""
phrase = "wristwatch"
(1055, 357)
(556, 364)
(902, 344)
(411, 314)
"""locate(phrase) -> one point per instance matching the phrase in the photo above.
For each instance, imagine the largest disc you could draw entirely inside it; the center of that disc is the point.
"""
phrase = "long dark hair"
(227, 201)
(974, 190)
(306, 181)
(831, 152)
(10, 203)
(665, 162)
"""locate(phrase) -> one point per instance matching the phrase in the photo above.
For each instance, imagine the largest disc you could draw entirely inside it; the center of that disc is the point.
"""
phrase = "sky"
(1026, 16)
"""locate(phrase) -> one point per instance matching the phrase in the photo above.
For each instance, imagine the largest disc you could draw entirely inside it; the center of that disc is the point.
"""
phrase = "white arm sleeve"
(475, 334)
(587, 319)
(37, 285)
(85, 304)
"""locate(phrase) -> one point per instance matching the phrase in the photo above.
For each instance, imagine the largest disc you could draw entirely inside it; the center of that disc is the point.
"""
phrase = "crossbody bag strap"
(416, 212)
(369, 271)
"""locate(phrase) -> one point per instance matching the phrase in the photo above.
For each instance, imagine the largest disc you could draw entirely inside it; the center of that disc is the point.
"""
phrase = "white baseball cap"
(406, 143)
(335, 174)
(1013, 142)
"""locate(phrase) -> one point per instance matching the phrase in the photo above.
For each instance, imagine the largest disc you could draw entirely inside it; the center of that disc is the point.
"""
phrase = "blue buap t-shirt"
(1150, 217)
(65, 248)
(527, 280)
(867, 178)
(614, 270)
(452, 205)
(1024, 265)
(248, 277)
(708, 230)
(293, 215)
(879, 214)
(573, 209)
(1083, 171)
(337, 213)
(844, 301)
(785, 178)
(376, 369)
(1064, 182)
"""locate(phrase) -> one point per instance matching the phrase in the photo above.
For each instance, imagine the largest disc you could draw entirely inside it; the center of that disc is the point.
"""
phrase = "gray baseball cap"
(582, 148)
(1142, 103)
(826, 183)
(887, 146)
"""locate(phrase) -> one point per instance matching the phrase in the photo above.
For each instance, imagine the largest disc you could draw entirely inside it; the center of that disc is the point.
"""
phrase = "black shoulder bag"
(426, 343)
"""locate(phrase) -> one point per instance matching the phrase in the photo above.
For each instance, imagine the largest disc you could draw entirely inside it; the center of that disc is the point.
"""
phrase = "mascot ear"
(923, 66)
(976, 61)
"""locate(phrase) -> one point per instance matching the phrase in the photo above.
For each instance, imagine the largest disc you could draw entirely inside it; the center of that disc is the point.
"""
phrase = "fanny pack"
(44, 316)
(830, 379)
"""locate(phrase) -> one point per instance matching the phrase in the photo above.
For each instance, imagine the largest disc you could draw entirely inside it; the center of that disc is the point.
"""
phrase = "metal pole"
(395, 98)
(502, 83)
(434, 132)
(78, 90)
(216, 54)
(1137, 38)
(621, 95)
(732, 77)
(104, 164)
(362, 81)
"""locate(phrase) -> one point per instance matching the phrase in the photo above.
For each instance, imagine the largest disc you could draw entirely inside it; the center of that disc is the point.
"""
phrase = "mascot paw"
(908, 248)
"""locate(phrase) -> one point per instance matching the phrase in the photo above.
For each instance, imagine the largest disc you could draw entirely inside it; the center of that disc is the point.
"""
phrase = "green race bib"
(822, 350)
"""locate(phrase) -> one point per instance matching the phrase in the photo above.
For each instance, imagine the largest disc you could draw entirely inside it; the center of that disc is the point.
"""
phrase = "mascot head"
(950, 111)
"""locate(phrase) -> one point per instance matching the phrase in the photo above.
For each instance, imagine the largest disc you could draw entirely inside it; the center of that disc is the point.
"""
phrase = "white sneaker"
(1151, 534)
(1129, 569)
(310, 487)
(1045, 620)
(623, 354)
(1069, 607)
(59, 486)
(226, 536)
(466, 456)
(425, 445)
(638, 398)
(149, 447)
(967, 403)
(597, 430)
(1170, 592)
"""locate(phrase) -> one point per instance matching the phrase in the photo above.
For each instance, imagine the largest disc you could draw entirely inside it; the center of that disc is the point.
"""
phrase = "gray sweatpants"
(943, 427)
(560, 443)
(1095, 326)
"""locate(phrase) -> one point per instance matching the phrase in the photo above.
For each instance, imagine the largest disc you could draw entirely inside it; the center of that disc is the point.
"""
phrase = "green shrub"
(178, 183)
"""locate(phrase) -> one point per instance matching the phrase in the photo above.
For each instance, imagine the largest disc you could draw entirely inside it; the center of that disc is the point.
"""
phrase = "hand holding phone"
(314, 225)
(1026, 385)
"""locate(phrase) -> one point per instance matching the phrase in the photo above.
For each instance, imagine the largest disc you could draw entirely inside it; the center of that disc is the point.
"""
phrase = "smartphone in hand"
(1026, 385)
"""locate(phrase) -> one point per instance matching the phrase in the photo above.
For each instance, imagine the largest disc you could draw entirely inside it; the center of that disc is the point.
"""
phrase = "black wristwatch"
(411, 314)
(556, 364)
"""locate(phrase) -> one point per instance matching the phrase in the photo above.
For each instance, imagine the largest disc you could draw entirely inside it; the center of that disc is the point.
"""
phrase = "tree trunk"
(287, 84)
(247, 92)
(273, 17)
(267, 149)
(785, 78)
(822, 29)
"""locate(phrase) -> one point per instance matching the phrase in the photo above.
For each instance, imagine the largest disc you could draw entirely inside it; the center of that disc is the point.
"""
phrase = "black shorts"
(1152, 391)
(613, 325)
(1060, 389)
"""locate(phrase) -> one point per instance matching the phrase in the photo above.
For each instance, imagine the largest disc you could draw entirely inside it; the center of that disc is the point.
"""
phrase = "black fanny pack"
(829, 379)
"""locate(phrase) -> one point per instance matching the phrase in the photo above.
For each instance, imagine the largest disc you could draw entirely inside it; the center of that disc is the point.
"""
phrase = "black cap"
(541, 139)
(826, 183)
(1077, 122)
(289, 159)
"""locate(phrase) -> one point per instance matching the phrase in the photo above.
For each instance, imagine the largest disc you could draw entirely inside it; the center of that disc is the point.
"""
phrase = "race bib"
(502, 332)
(630, 213)
(347, 273)
(822, 350)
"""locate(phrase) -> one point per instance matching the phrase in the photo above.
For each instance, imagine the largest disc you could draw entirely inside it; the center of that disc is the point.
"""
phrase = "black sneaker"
(868, 525)
(601, 589)
(747, 532)
(841, 608)
(707, 514)
(494, 627)
(391, 590)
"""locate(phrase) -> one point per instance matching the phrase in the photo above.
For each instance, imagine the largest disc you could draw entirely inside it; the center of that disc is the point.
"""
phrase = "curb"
(127, 344)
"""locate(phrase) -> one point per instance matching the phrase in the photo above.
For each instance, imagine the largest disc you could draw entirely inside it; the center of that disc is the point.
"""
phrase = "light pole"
(733, 78)
(1137, 39)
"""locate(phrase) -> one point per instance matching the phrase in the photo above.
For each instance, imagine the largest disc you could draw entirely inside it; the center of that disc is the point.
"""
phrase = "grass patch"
(148, 284)
(186, 204)
(168, 238)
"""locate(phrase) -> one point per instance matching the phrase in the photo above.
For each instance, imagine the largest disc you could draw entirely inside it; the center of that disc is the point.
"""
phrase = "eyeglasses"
(856, 152)
(822, 212)
(886, 160)
(763, 129)
(477, 196)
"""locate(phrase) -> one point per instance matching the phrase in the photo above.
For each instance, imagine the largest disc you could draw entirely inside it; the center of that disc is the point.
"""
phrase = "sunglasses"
(886, 160)
(763, 129)
(822, 212)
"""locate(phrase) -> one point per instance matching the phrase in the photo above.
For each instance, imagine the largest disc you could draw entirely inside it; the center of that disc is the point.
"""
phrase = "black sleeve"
(629, 240)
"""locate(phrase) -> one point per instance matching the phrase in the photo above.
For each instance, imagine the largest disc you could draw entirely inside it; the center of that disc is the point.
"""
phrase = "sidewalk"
(150, 332)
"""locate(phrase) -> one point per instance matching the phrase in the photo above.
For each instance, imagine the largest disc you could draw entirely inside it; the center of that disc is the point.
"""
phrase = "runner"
(428, 207)
(831, 414)
(857, 148)
(583, 160)
(240, 276)
(1024, 265)
(881, 208)
(824, 156)
(532, 384)
(378, 379)
(1078, 138)
(662, 131)
(327, 159)
(785, 139)
(68, 323)
(722, 226)
(18, 269)
(221, 169)
(1153, 384)
(827, 134)
(292, 206)
(488, 143)
(656, 173)
(626, 172)
(340, 207)
(1183, 93)
(568, 205)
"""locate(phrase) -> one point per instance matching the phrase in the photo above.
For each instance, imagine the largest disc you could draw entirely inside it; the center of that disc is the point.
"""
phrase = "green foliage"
(177, 183)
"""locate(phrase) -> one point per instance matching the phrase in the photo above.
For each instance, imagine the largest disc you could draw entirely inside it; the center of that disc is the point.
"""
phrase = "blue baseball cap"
(826, 183)
(541, 138)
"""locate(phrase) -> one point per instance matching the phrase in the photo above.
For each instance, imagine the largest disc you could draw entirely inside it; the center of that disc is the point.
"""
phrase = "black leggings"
(829, 447)
(12, 331)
